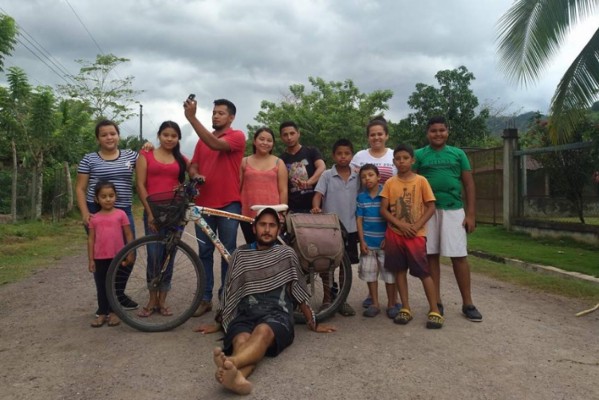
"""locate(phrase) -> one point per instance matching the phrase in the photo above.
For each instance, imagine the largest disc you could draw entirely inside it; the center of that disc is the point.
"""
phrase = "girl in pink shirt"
(160, 170)
(108, 230)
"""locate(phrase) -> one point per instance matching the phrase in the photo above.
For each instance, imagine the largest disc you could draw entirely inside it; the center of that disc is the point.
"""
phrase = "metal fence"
(487, 170)
(555, 184)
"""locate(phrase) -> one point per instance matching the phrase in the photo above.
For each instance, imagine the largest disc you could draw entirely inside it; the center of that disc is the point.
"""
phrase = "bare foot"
(219, 374)
(219, 357)
(234, 380)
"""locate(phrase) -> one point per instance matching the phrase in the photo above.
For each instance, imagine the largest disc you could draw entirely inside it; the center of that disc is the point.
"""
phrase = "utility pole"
(141, 136)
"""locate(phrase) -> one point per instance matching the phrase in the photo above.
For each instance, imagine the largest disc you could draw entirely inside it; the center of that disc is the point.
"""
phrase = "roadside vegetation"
(565, 254)
(27, 246)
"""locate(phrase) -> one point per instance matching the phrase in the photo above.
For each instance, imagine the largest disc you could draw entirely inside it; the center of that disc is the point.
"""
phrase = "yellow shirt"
(406, 199)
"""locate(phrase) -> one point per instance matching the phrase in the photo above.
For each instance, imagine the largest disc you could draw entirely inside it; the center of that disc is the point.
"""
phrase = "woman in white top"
(377, 153)
(382, 157)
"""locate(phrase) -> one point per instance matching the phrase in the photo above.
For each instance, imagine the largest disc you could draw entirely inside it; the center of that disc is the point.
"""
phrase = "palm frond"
(576, 91)
(531, 32)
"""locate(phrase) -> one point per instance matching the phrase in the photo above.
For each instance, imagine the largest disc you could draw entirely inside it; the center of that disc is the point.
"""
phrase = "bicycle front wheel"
(148, 264)
(328, 290)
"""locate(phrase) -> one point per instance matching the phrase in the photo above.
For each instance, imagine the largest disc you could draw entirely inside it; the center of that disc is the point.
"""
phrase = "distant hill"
(496, 125)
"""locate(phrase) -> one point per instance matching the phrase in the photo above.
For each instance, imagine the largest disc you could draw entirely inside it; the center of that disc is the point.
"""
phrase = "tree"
(569, 171)
(8, 34)
(13, 116)
(111, 99)
(331, 110)
(454, 100)
(530, 34)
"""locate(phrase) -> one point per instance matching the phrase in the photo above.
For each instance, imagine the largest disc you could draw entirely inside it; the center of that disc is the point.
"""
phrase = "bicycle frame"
(194, 213)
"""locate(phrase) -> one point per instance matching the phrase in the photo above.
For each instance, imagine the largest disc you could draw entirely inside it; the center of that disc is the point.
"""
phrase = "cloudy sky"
(253, 50)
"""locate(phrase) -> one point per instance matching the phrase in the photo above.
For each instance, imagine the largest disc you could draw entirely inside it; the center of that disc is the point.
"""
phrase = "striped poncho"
(254, 271)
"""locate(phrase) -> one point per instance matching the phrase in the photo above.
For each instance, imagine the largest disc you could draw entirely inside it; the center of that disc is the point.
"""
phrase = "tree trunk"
(39, 170)
(69, 186)
(15, 179)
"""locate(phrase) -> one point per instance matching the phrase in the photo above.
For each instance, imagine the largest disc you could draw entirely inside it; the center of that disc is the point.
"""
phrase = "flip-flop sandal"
(435, 320)
(403, 317)
(98, 322)
(145, 312)
(165, 312)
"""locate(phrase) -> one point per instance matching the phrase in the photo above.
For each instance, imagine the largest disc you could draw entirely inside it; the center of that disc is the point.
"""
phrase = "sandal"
(165, 311)
(145, 312)
(99, 321)
(435, 321)
(346, 310)
(403, 317)
(113, 320)
(371, 311)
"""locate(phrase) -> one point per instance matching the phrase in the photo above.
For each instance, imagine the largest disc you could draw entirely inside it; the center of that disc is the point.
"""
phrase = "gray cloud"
(252, 50)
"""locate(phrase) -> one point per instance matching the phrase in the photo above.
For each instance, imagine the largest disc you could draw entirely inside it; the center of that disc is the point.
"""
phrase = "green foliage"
(131, 142)
(569, 171)
(8, 34)
(111, 99)
(331, 110)
(452, 99)
(530, 33)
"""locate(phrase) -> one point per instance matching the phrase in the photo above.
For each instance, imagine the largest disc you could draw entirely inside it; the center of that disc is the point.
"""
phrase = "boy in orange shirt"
(407, 203)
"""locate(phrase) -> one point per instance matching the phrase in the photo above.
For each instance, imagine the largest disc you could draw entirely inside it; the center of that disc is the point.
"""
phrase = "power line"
(85, 27)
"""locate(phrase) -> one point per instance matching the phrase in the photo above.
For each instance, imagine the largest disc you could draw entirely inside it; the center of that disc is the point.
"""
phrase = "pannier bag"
(317, 240)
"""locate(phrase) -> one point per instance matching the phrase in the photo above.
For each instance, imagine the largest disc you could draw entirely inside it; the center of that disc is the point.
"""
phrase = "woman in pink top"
(160, 170)
(263, 179)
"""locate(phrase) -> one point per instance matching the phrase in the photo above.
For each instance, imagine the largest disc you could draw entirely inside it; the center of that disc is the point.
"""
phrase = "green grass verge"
(566, 254)
(573, 288)
(27, 246)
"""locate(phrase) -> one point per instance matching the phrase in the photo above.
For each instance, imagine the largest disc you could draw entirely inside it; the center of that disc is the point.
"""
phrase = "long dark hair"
(177, 149)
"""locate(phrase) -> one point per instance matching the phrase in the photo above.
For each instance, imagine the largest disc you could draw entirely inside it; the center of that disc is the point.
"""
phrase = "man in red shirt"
(217, 157)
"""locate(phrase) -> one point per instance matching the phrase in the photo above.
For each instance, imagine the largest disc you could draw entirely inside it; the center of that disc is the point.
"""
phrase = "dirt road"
(530, 346)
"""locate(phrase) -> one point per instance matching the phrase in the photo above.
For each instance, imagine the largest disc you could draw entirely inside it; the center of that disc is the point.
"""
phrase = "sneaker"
(472, 313)
(205, 306)
(346, 310)
(127, 303)
(367, 302)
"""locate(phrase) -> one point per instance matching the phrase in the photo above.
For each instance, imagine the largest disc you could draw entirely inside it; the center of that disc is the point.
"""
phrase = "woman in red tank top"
(160, 170)
(263, 178)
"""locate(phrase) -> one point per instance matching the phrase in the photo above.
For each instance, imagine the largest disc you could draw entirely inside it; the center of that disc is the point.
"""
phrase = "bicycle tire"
(187, 285)
(342, 275)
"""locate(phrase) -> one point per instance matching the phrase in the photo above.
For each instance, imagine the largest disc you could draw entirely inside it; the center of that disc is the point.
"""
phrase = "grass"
(566, 254)
(28, 246)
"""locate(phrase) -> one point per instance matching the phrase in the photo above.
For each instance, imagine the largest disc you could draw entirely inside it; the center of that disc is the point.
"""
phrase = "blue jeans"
(155, 257)
(226, 229)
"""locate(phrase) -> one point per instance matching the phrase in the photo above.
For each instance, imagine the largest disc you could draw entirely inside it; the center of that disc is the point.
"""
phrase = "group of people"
(403, 209)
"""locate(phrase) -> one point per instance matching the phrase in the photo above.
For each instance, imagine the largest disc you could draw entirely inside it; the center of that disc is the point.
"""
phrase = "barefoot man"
(261, 288)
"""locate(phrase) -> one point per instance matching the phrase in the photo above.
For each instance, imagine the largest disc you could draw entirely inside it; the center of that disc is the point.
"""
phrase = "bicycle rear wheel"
(187, 280)
(328, 290)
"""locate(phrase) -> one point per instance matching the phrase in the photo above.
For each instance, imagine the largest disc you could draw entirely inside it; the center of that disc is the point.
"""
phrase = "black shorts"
(247, 319)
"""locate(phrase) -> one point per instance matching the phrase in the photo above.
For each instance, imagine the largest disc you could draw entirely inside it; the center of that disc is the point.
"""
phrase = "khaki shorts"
(372, 267)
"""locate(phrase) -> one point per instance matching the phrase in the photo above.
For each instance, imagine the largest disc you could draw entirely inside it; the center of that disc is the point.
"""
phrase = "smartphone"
(191, 97)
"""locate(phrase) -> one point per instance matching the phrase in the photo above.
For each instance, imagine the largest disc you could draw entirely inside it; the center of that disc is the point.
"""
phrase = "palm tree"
(530, 33)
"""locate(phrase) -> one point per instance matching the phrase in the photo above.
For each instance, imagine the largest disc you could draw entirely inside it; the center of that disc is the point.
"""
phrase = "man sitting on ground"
(261, 288)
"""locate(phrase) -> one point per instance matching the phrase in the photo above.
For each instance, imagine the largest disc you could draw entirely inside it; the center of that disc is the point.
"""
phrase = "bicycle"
(165, 257)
